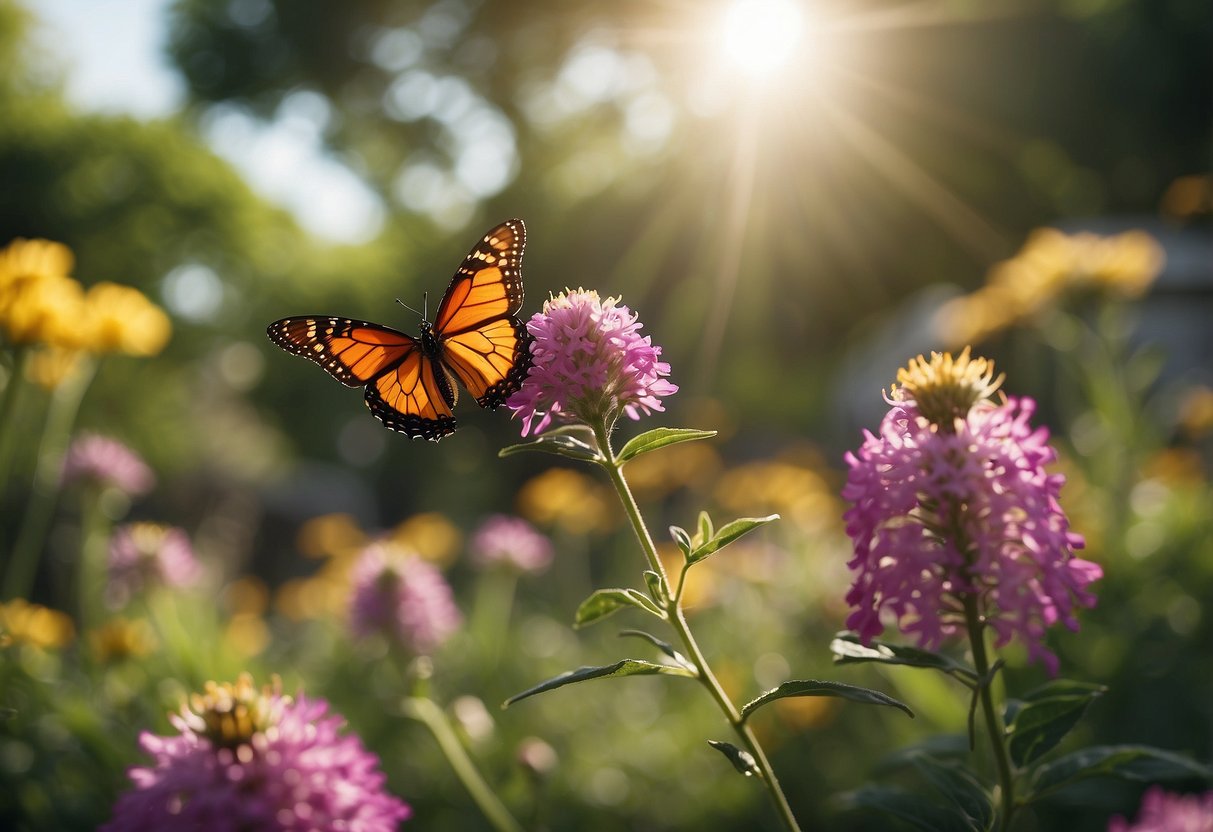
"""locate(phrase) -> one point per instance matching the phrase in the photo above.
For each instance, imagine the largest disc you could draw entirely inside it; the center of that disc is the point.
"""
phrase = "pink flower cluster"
(293, 772)
(512, 542)
(938, 515)
(402, 597)
(1165, 812)
(99, 459)
(590, 364)
(143, 555)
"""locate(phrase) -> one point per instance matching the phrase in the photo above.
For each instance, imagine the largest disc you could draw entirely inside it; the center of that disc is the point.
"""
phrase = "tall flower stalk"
(591, 366)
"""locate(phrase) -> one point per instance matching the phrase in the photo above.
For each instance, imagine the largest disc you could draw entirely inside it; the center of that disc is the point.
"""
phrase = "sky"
(113, 56)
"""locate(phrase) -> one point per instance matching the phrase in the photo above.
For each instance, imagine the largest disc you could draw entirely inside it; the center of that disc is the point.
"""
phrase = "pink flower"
(402, 597)
(590, 364)
(105, 461)
(1164, 812)
(513, 542)
(246, 759)
(960, 505)
(142, 555)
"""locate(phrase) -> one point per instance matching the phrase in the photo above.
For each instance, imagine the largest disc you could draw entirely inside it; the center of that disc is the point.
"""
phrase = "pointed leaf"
(916, 812)
(1045, 716)
(706, 531)
(743, 761)
(682, 539)
(664, 647)
(815, 687)
(955, 782)
(727, 534)
(626, 667)
(603, 602)
(572, 441)
(656, 591)
(659, 438)
(1128, 762)
(848, 649)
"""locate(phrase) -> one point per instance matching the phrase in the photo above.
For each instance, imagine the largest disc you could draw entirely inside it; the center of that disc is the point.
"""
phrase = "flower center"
(945, 388)
(233, 713)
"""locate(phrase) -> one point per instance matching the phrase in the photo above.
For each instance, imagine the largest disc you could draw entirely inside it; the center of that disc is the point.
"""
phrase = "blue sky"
(111, 52)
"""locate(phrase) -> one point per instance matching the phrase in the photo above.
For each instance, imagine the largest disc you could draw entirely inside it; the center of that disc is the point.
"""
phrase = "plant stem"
(998, 740)
(8, 406)
(427, 712)
(44, 493)
(678, 621)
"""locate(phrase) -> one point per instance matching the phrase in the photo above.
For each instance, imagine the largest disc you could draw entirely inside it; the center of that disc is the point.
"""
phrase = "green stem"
(491, 611)
(8, 407)
(427, 712)
(998, 740)
(94, 528)
(678, 621)
(44, 494)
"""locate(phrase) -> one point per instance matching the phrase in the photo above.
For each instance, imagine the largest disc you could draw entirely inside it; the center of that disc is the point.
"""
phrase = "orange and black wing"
(414, 398)
(353, 352)
(403, 388)
(483, 344)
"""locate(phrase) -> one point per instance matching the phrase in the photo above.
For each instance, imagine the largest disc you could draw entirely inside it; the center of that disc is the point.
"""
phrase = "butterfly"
(475, 338)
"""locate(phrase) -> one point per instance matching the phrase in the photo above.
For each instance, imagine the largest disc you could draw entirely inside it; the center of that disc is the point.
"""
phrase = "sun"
(759, 37)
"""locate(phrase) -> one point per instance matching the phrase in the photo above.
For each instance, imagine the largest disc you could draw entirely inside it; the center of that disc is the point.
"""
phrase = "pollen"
(944, 388)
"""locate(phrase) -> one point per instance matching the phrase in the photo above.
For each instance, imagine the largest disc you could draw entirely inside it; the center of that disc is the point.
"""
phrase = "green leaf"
(656, 591)
(848, 649)
(955, 782)
(603, 602)
(814, 687)
(658, 438)
(1045, 716)
(727, 534)
(706, 532)
(1127, 762)
(664, 647)
(682, 539)
(626, 667)
(572, 441)
(743, 761)
(917, 812)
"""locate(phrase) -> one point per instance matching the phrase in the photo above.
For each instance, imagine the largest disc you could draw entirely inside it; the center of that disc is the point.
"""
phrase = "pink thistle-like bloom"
(512, 542)
(590, 363)
(1165, 812)
(245, 759)
(951, 500)
(104, 461)
(143, 555)
(403, 598)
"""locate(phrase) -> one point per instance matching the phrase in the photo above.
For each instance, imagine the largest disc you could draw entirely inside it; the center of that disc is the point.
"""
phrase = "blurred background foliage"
(789, 241)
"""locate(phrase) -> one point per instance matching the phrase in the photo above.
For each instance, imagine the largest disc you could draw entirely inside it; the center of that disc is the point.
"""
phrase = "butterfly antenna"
(425, 304)
(411, 309)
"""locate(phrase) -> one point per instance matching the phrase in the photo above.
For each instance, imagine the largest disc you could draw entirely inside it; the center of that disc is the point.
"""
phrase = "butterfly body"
(475, 341)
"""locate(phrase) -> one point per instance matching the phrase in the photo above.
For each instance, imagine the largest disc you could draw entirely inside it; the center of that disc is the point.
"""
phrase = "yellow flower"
(52, 365)
(790, 487)
(45, 310)
(330, 535)
(123, 638)
(23, 259)
(563, 497)
(122, 319)
(24, 623)
(1196, 412)
(430, 535)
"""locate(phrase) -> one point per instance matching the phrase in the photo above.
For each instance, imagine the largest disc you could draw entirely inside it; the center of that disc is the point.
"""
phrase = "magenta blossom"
(142, 555)
(99, 459)
(512, 542)
(1165, 812)
(590, 363)
(954, 504)
(402, 597)
(246, 759)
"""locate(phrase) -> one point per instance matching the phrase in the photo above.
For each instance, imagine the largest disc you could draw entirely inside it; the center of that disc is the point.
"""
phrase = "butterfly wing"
(415, 398)
(482, 342)
(403, 389)
(353, 352)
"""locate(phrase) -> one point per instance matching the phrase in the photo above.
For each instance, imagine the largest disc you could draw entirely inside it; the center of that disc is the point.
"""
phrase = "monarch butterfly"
(475, 338)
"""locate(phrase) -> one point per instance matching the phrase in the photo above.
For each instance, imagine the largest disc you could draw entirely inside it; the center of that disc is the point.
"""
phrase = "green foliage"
(1045, 716)
(816, 687)
(624, 667)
